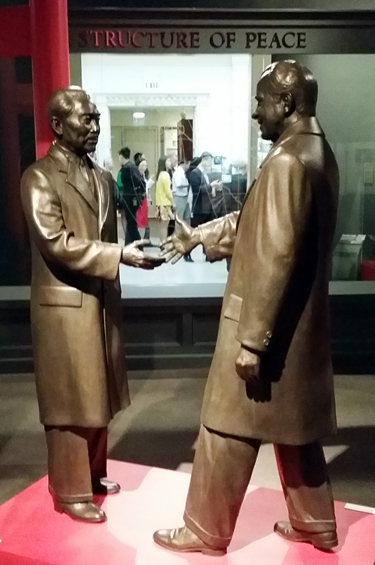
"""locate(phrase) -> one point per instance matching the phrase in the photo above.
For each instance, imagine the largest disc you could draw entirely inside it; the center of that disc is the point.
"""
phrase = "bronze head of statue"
(286, 92)
(74, 120)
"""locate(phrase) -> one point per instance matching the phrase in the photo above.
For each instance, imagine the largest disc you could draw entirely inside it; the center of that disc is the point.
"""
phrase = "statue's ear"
(56, 126)
(289, 104)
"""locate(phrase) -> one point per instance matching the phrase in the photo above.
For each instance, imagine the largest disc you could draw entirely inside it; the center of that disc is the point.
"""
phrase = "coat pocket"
(233, 308)
(59, 296)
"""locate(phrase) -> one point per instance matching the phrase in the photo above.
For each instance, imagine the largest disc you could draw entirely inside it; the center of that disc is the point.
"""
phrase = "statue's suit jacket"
(75, 292)
(276, 299)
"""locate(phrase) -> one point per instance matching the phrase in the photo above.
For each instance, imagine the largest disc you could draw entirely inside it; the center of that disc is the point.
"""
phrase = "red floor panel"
(33, 534)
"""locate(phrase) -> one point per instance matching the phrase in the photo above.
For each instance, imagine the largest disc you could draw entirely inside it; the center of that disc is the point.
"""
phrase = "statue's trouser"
(221, 474)
(76, 457)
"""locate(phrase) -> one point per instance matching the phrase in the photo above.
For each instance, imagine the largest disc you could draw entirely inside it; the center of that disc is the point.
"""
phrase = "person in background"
(138, 157)
(119, 203)
(133, 190)
(163, 196)
(108, 167)
(180, 193)
(171, 169)
(238, 187)
(203, 190)
(142, 212)
(193, 165)
(173, 164)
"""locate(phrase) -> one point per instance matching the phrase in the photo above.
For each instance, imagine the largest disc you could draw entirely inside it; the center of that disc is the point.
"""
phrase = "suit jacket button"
(269, 334)
(266, 342)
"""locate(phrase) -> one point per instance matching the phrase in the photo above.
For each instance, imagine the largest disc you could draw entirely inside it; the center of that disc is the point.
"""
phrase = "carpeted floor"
(153, 498)
(160, 428)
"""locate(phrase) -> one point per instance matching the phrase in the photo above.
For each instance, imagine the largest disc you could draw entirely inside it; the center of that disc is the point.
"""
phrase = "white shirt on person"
(180, 184)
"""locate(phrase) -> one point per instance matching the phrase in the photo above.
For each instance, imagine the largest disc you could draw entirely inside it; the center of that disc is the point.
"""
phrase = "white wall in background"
(216, 86)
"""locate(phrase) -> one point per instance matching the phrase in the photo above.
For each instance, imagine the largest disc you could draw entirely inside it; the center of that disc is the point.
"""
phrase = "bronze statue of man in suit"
(76, 304)
(271, 375)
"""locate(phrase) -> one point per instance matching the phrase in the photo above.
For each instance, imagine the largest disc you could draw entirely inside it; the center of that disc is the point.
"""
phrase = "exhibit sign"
(168, 39)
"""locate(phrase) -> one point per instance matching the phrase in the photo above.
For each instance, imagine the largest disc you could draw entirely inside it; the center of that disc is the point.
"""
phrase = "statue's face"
(269, 113)
(79, 131)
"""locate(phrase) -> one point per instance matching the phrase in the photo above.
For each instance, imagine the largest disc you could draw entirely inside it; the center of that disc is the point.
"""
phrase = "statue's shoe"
(321, 540)
(185, 541)
(105, 486)
(82, 511)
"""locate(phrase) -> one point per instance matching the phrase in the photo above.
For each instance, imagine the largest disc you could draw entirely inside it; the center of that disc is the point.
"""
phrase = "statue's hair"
(61, 103)
(289, 77)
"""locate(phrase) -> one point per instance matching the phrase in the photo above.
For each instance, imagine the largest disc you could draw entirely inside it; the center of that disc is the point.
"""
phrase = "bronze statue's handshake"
(266, 381)
(182, 241)
(133, 256)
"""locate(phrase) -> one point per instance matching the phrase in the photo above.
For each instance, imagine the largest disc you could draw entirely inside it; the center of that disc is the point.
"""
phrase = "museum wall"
(217, 86)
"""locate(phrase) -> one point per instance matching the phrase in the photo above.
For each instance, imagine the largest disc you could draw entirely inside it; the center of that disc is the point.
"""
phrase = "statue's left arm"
(217, 237)
(280, 221)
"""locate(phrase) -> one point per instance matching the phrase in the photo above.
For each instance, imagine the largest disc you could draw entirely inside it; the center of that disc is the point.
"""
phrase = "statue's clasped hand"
(133, 256)
(248, 365)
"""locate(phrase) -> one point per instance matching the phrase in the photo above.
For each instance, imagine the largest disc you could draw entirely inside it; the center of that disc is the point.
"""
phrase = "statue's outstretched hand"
(134, 257)
(182, 241)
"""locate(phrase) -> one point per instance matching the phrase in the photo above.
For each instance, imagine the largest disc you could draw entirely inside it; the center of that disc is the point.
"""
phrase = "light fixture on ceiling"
(138, 118)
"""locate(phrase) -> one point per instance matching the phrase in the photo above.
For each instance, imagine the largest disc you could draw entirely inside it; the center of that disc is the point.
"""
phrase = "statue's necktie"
(87, 175)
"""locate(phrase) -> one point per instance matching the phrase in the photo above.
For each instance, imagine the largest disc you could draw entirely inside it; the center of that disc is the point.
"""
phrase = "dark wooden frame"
(181, 333)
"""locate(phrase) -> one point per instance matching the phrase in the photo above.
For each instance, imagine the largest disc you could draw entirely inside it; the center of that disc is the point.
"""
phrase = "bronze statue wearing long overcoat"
(75, 292)
(276, 299)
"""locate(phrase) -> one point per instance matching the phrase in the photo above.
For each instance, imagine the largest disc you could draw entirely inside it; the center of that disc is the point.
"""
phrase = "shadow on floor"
(162, 448)
(353, 471)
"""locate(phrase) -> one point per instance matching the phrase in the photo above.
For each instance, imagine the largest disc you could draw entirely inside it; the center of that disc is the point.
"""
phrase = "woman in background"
(163, 196)
(142, 212)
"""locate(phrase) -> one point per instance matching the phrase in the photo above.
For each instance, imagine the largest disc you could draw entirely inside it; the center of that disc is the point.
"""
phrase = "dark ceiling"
(217, 5)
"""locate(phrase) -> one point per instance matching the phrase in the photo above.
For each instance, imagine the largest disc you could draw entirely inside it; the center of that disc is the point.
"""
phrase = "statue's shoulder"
(41, 169)
(107, 175)
(50, 159)
(284, 155)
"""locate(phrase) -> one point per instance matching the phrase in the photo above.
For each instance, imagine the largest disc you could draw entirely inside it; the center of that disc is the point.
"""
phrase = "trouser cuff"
(211, 540)
(314, 526)
(95, 477)
(70, 498)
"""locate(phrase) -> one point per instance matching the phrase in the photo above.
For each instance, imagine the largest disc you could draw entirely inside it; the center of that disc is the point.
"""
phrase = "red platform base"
(33, 533)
